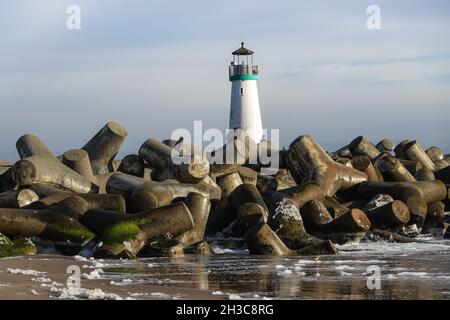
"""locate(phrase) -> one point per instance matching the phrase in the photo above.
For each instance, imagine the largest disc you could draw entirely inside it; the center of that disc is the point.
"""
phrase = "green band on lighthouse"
(244, 77)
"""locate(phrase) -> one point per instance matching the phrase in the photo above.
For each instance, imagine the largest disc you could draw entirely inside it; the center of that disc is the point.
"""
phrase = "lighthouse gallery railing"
(243, 69)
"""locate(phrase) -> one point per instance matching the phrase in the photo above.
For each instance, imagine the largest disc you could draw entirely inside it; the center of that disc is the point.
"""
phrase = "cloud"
(155, 66)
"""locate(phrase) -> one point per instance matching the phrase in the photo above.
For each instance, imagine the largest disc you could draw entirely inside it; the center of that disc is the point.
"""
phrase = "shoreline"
(415, 270)
(49, 271)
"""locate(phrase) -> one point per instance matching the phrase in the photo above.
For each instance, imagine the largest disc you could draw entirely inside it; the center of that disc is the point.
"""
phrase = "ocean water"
(404, 271)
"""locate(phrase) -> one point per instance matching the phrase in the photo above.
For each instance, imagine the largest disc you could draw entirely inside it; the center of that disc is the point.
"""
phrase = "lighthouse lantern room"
(244, 107)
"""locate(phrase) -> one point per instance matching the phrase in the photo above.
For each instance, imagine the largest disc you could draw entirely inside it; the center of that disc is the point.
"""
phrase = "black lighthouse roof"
(242, 51)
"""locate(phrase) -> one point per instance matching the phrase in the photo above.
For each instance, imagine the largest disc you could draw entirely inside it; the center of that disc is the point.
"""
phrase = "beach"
(44, 277)
(407, 271)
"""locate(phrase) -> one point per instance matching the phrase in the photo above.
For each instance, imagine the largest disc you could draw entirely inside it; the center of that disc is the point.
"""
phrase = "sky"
(155, 66)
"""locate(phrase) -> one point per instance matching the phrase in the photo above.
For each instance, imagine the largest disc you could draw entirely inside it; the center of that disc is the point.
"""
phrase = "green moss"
(19, 247)
(122, 231)
(115, 236)
(139, 221)
(24, 247)
(4, 240)
(72, 231)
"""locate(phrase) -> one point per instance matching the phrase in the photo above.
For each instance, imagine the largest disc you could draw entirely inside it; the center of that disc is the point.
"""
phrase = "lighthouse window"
(241, 91)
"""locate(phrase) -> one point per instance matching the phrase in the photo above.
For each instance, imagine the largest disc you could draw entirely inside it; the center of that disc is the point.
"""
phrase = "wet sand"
(18, 286)
(407, 271)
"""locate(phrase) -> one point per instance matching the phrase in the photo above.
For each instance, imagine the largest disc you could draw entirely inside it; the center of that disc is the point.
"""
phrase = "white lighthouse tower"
(244, 107)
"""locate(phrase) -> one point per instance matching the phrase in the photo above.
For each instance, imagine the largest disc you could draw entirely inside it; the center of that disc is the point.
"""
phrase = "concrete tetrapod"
(268, 184)
(345, 161)
(143, 195)
(98, 220)
(411, 165)
(389, 216)
(242, 198)
(364, 164)
(224, 213)
(124, 184)
(300, 194)
(31, 145)
(285, 218)
(262, 240)
(132, 234)
(334, 207)
(248, 175)
(201, 248)
(440, 164)
(17, 198)
(132, 164)
(360, 146)
(314, 214)
(199, 207)
(437, 156)
(435, 217)
(435, 153)
(429, 191)
(73, 206)
(415, 195)
(43, 190)
(316, 165)
(46, 224)
(443, 175)
(152, 194)
(114, 202)
(37, 169)
(415, 152)
(247, 216)
(213, 189)
(6, 181)
(164, 248)
(399, 149)
(236, 151)
(191, 169)
(351, 226)
(78, 161)
(393, 170)
(385, 145)
(424, 174)
(38, 164)
(104, 145)
(245, 193)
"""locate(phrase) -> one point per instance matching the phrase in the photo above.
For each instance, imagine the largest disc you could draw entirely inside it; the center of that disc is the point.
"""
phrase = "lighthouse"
(244, 105)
